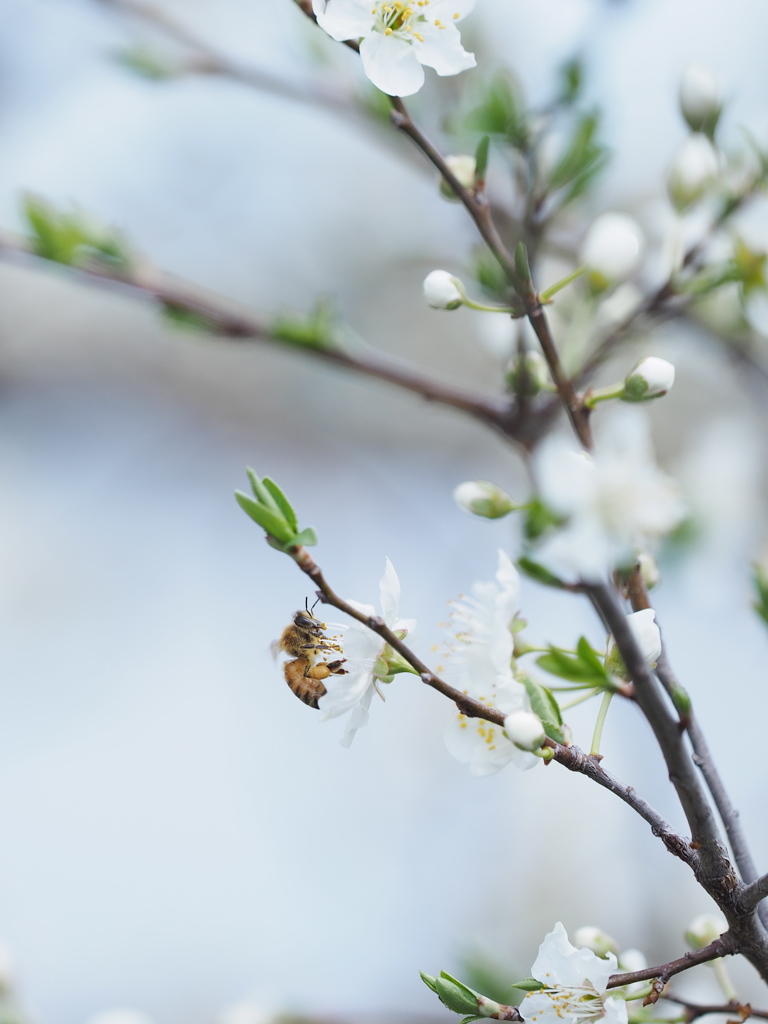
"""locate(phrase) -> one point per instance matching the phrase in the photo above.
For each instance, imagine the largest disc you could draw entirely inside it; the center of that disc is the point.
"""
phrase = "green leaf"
(589, 656)
(521, 262)
(545, 706)
(539, 519)
(529, 985)
(146, 63)
(262, 494)
(585, 667)
(537, 572)
(455, 994)
(500, 111)
(316, 329)
(481, 157)
(428, 980)
(583, 158)
(282, 503)
(269, 521)
(490, 276)
(571, 81)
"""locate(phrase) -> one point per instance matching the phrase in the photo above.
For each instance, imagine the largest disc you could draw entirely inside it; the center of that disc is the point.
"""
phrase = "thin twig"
(743, 1011)
(215, 312)
(722, 946)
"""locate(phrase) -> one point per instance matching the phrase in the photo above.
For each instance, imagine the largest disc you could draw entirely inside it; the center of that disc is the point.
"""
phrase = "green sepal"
(307, 538)
(529, 985)
(272, 523)
(539, 519)
(481, 157)
(456, 995)
(429, 980)
(546, 707)
(282, 503)
(538, 573)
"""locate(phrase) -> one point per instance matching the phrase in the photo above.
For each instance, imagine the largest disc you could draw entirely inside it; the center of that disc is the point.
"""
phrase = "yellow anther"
(419, 36)
(387, 31)
(456, 16)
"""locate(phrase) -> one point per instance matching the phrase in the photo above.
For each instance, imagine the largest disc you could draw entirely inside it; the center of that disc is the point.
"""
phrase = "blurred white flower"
(396, 38)
(705, 929)
(612, 247)
(647, 636)
(248, 1011)
(464, 167)
(480, 664)
(700, 97)
(443, 291)
(575, 981)
(756, 311)
(693, 171)
(7, 969)
(362, 650)
(590, 937)
(613, 502)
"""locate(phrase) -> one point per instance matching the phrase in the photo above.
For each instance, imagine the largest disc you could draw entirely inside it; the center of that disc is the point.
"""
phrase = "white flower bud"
(700, 98)
(649, 570)
(647, 638)
(651, 378)
(705, 929)
(693, 171)
(589, 937)
(482, 498)
(464, 167)
(525, 730)
(529, 374)
(611, 249)
(443, 291)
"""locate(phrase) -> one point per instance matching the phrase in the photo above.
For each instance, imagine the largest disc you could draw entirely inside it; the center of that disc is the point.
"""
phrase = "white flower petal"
(343, 19)
(343, 693)
(441, 49)
(559, 963)
(391, 64)
(358, 718)
(389, 591)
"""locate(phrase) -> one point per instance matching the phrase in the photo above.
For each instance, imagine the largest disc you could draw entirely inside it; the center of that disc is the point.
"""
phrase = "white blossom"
(443, 291)
(397, 38)
(120, 1016)
(362, 648)
(590, 937)
(480, 664)
(575, 981)
(693, 170)
(700, 96)
(613, 502)
(612, 247)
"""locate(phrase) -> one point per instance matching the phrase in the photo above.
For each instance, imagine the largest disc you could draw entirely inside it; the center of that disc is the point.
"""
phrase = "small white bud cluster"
(525, 730)
(650, 378)
(611, 250)
(443, 291)
(528, 374)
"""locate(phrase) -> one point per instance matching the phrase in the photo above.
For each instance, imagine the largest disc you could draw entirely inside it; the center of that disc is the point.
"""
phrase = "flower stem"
(598, 733)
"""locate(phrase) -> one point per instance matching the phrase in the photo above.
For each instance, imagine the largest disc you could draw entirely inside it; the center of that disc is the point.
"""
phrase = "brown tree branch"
(224, 321)
(742, 1011)
(752, 895)
(722, 946)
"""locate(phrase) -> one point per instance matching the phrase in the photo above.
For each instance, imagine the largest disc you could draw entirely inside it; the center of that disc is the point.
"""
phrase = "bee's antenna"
(306, 606)
(317, 602)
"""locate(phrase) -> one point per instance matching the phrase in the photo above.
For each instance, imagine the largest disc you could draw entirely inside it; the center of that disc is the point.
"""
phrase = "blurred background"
(179, 834)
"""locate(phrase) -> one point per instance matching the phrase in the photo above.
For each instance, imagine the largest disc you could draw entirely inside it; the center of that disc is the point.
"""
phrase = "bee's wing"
(275, 649)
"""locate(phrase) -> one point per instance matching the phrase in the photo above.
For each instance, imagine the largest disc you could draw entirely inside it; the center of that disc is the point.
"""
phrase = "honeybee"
(305, 640)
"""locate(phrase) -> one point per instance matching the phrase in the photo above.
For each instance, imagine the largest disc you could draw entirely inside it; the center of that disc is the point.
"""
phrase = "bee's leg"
(319, 671)
(335, 667)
